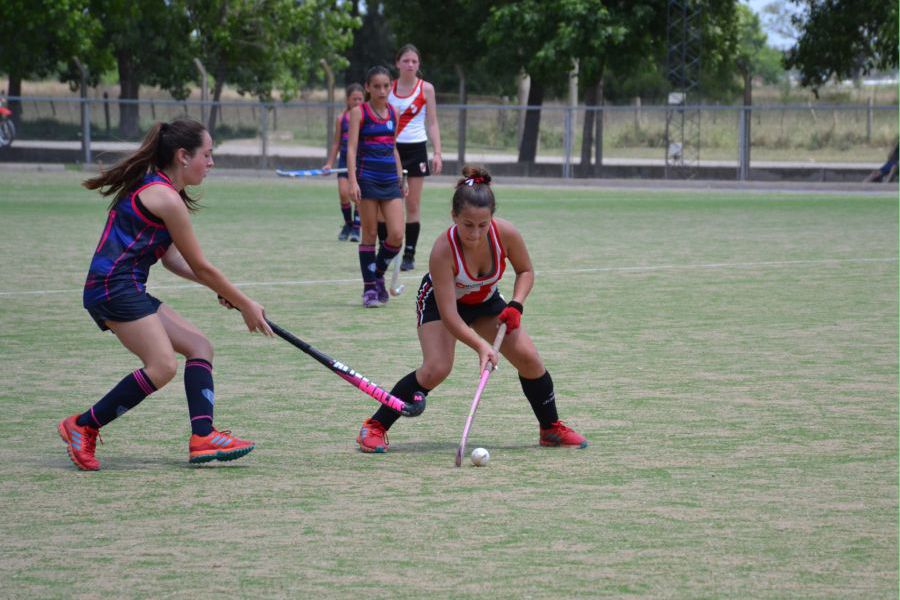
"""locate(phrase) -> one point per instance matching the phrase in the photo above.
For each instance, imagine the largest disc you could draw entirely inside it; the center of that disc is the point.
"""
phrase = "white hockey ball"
(480, 457)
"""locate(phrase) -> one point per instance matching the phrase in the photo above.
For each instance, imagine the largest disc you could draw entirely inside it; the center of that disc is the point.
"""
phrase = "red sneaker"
(560, 435)
(218, 445)
(373, 437)
(81, 442)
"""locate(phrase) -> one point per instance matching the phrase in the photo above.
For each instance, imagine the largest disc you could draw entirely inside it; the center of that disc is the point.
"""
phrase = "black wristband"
(516, 305)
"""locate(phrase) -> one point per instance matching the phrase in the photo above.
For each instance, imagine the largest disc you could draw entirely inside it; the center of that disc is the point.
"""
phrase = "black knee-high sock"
(127, 394)
(382, 231)
(347, 212)
(412, 238)
(367, 265)
(200, 392)
(385, 255)
(403, 389)
(541, 397)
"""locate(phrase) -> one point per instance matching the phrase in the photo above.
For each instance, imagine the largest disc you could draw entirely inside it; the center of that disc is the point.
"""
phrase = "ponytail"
(157, 152)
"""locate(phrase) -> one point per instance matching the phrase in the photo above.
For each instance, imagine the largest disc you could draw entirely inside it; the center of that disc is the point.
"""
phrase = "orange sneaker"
(81, 442)
(560, 435)
(373, 437)
(218, 445)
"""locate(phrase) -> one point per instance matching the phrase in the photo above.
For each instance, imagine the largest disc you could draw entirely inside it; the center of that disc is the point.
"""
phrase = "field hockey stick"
(309, 172)
(395, 289)
(498, 341)
(407, 409)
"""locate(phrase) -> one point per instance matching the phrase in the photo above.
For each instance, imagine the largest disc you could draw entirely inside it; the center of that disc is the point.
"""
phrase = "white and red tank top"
(411, 113)
(472, 289)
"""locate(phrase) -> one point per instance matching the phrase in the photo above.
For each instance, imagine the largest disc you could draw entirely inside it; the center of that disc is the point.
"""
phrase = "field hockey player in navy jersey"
(350, 228)
(375, 176)
(458, 300)
(148, 221)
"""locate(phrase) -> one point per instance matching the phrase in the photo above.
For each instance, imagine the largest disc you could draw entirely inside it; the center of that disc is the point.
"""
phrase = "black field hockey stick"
(407, 409)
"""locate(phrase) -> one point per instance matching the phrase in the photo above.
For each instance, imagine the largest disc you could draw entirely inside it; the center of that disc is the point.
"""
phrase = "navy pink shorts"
(123, 309)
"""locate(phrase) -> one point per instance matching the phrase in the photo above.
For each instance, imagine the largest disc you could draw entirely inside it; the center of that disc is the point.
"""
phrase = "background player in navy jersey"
(149, 220)
(459, 300)
(414, 100)
(350, 229)
(375, 176)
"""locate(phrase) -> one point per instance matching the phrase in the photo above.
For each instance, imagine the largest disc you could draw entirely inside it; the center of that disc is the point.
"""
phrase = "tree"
(519, 36)
(150, 43)
(39, 36)
(373, 42)
(265, 45)
(843, 38)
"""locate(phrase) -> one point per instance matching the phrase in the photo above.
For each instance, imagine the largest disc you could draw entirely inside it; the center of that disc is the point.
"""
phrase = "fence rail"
(738, 136)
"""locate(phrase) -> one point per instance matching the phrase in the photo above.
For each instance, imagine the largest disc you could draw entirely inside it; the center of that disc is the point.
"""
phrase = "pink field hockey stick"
(498, 341)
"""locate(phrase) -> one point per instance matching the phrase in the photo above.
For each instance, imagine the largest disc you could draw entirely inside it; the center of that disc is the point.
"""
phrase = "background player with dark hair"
(149, 220)
(350, 229)
(414, 100)
(459, 300)
(375, 174)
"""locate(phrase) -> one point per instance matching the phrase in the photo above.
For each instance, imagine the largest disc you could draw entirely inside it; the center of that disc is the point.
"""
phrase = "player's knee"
(162, 370)
(431, 376)
(201, 348)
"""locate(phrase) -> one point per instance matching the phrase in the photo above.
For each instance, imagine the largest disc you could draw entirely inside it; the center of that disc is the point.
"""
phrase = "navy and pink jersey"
(475, 289)
(375, 151)
(133, 240)
(345, 133)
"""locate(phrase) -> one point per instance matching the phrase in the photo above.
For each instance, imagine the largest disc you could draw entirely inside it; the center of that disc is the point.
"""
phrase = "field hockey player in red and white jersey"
(458, 299)
(414, 100)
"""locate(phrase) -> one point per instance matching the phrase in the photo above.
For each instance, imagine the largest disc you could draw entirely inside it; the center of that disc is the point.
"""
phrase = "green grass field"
(732, 358)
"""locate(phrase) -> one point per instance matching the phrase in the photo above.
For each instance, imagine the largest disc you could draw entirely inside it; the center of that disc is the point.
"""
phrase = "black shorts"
(427, 310)
(371, 190)
(123, 309)
(414, 157)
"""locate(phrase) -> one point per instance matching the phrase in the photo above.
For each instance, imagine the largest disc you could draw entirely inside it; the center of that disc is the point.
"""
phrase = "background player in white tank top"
(414, 100)
(473, 252)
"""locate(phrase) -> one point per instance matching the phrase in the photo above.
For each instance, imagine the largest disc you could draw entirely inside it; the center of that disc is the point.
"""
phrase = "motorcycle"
(7, 127)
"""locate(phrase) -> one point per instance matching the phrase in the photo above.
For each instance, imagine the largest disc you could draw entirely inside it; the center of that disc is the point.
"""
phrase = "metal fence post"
(567, 144)
(869, 120)
(85, 114)
(264, 135)
(743, 143)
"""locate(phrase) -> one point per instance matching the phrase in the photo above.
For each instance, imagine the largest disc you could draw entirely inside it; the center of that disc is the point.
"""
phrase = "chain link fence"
(265, 135)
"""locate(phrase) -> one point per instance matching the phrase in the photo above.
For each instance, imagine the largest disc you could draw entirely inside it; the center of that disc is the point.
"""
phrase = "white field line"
(644, 268)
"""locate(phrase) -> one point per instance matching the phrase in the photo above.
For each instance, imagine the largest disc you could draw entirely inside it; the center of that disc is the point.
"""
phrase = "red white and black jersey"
(471, 288)
(410, 112)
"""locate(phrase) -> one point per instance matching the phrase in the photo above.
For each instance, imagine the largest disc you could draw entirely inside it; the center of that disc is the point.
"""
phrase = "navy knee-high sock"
(347, 212)
(541, 397)
(403, 389)
(367, 265)
(127, 394)
(385, 254)
(382, 231)
(200, 392)
(412, 238)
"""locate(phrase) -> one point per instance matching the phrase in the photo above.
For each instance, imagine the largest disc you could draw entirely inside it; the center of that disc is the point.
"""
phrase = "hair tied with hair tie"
(471, 181)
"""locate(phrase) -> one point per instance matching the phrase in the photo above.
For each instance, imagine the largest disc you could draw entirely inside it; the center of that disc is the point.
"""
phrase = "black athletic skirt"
(414, 157)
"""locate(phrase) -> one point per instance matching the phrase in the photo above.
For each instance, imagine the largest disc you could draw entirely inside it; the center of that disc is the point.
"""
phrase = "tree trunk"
(528, 149)
(129, 86)
(748, 101)
(15, 89)
(598, 127)
(216, 107)
(587, 131)
(461, 130)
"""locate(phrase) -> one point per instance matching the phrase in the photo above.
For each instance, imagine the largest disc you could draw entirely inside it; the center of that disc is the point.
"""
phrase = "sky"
(775, 40)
